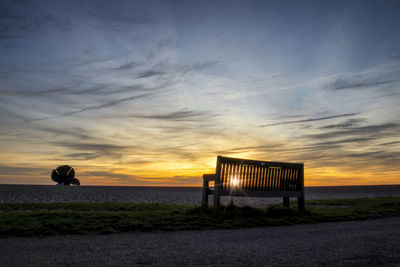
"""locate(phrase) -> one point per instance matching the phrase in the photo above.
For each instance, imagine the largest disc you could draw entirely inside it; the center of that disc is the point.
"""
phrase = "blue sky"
(149, 92)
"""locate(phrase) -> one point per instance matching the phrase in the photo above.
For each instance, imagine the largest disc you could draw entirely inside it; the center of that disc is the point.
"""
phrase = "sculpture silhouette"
(64, 175)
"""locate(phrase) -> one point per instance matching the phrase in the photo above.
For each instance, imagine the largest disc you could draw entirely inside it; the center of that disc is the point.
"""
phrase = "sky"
(148, 93)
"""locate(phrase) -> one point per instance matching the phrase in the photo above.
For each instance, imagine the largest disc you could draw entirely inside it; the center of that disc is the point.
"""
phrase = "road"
(352, 243)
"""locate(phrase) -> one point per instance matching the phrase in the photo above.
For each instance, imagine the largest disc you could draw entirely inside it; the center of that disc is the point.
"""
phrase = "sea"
(173, 195)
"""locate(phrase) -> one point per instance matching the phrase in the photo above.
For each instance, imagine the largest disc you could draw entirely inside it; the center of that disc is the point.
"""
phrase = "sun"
(235, 182)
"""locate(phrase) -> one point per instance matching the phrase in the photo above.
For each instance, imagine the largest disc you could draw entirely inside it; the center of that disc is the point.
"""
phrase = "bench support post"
(217, 196)
(300, 199)
(206, 191)
(204, 200)
(286, 203)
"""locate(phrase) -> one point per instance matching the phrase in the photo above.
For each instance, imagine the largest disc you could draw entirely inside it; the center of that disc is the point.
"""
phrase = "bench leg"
(300, 200)
(301, 203)
(286, 203)
(217, 197)
(204, 200)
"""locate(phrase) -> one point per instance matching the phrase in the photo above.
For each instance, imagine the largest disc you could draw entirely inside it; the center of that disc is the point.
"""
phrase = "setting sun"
(235, 182)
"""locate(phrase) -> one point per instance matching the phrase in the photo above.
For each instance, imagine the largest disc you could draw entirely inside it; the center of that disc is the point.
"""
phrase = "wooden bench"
(253, 178)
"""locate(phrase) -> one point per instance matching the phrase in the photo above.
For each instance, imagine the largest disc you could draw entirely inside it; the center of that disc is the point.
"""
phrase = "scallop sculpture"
(64, 175)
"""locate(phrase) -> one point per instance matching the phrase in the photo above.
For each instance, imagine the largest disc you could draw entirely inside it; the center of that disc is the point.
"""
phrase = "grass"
(39, 219)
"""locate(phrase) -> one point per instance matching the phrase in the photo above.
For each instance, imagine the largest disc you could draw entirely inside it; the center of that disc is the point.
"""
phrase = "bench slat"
(237, 161)
(260, 177)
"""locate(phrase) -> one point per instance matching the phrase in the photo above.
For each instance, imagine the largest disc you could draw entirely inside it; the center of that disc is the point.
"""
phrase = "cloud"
(310, 120)
(346, 141)
(15, 21)
(274, 147)
(19, 170)
(110, 175)
(99, 89)
(347, 85)
(150, 73)
(186, 115)
(347, 124)
(377, 131)
(129, 65)
(31, 93)
(390, 143)
(160, 47)
(100, 147)
(166, 67)
(75, 132)
(107, 104)
(200, 66)
(82, 156)
(93, 150)
(385, 157)
(109, 89)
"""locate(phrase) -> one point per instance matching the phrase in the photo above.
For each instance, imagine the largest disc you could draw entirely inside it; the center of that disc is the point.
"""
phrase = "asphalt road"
(354, 243)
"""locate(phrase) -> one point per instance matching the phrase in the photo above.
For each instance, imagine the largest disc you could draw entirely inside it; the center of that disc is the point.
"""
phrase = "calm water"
(179, 195)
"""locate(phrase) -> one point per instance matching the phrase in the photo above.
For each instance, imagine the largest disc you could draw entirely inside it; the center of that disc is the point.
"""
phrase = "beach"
(173, 195)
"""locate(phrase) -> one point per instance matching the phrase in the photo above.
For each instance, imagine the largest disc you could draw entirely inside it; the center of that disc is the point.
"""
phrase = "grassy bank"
(39, 219)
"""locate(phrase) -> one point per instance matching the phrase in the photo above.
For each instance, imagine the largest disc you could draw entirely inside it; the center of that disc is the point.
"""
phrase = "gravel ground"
(177, 195)
(63, 194)
(353, 243)
(47, 193)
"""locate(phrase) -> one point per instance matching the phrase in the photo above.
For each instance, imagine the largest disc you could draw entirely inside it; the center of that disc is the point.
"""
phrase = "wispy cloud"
(150, 73)
(107, 104)
(350, 85)
(90, 151)
(129, 65)
(346, 124)
(172, 68)
(310, 120)
(14, 23)
(161, 47)
(390, 143)
(376, 130)
(98, 147)
(19, 170)
(110, 89)
(32, 93)
(184, 115)
(83, 156)
(111, 175)
(74, 133)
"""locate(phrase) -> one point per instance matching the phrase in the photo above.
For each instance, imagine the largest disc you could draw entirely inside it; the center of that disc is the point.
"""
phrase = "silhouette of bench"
(253, 178)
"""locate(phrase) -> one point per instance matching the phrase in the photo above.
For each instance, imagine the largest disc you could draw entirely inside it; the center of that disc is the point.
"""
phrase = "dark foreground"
(352, 243)
(39, 219)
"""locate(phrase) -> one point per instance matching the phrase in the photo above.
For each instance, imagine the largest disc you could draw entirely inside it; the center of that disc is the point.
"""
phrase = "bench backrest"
(254, 175)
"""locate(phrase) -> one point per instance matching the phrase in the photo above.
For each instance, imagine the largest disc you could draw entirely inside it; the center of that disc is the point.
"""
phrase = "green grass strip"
(40, 219)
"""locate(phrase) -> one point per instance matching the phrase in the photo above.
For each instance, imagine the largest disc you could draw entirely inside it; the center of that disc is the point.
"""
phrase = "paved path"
(356, 243)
